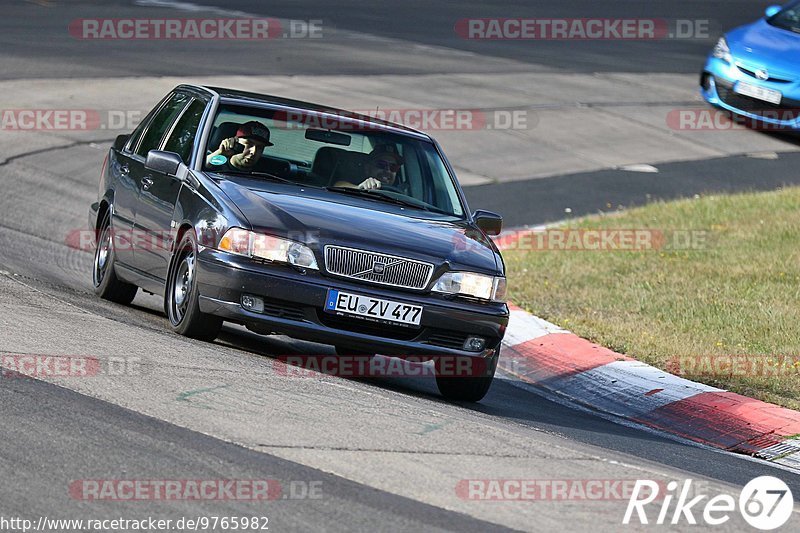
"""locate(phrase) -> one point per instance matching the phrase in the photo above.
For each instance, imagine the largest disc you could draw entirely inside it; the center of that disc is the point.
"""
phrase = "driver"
(251, 137)
(380, 170)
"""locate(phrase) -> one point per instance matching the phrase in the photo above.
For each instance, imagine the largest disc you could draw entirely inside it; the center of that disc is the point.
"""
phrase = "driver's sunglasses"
(387, 165)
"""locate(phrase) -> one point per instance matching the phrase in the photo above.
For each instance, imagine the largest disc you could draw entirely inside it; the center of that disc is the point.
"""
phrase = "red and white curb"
(572, 368)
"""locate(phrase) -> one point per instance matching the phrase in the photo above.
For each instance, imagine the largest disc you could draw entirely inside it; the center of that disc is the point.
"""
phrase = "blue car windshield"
(788, 18)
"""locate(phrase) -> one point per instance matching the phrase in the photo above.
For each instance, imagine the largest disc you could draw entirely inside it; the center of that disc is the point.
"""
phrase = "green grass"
(737, 293)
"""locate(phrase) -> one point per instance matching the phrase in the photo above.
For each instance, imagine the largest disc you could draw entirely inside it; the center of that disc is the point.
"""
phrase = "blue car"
(754, 71)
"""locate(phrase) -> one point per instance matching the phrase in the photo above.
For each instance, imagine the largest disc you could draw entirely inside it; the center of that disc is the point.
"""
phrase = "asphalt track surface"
(388, 453)
(428, 23)
(553, 199)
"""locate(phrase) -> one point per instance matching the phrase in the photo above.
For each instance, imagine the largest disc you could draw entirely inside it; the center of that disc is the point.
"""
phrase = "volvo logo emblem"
(378, 268)
(762, 74)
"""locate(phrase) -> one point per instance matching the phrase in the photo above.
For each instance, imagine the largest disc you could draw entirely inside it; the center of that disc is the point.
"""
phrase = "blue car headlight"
(722, 51)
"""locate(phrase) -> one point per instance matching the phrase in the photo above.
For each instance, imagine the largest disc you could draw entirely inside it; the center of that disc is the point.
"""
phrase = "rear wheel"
(106, 283)
(182, 297)
(466, 388)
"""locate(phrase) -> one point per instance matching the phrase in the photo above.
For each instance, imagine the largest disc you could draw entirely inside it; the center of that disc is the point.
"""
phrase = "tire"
(467, 389)
(182, 297)
(104, 278)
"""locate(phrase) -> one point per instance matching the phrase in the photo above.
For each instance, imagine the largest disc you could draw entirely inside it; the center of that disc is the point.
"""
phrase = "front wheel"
(182, 297)
(104, 278)
(469, 388)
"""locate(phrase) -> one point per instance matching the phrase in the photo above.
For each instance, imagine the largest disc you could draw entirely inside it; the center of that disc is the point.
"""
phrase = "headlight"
(251, 244)
(722, 51)
(471, 284)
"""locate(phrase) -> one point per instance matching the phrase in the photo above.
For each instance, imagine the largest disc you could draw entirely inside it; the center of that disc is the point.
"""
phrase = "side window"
(133, 141)
(137, 133)
(161, 123)
(181, 140)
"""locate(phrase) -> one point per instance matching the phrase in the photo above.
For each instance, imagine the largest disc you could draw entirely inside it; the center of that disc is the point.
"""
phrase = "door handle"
(147, 182)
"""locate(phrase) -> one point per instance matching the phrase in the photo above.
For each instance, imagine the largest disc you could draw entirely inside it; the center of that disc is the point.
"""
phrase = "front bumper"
(716, 87)
(294, 306)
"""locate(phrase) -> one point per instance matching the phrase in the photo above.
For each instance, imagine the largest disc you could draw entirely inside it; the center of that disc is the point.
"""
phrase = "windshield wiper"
(376, 195)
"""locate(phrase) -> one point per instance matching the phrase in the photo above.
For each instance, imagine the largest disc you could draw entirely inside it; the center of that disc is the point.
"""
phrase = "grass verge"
(717, 300)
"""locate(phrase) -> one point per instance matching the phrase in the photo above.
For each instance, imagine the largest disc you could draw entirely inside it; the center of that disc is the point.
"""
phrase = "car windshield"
(788, 18)
(333, 152)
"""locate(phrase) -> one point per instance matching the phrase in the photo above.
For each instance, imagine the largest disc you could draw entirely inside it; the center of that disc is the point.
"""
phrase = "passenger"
(252, 137)
(381, 168)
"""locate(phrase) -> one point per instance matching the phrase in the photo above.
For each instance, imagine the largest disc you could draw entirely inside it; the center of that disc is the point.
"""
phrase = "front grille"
(753, 74)
(374, 267)
(789, 109)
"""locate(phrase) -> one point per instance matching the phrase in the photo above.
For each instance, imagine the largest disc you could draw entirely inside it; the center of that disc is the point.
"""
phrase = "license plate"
(760, 93)
(372, 308)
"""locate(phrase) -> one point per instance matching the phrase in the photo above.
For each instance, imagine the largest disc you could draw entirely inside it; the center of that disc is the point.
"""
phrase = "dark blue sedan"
(294, 218)
(754, 71)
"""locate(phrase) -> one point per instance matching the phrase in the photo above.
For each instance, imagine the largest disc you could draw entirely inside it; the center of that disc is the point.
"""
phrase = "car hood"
(318, 218)
(760, 45)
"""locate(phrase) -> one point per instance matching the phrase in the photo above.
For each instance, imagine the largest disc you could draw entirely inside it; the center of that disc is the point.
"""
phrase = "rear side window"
(181, 140)
(161, 123)
(135, 137)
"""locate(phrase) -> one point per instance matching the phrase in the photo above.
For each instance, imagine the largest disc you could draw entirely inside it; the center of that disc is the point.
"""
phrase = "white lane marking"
(763, 155)
(639, 168)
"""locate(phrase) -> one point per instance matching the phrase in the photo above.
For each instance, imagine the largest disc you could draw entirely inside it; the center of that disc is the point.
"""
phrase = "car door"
(126, 191)
(158, 192)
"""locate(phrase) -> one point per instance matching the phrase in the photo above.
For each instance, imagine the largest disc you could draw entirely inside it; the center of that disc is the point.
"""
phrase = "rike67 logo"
(765, 503)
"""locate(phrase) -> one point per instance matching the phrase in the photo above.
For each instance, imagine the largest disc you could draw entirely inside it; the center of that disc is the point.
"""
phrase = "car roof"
(250, 97)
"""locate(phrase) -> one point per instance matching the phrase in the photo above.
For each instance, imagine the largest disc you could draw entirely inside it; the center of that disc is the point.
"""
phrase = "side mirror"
(163, 162)
(490, 223)
(771, 11)
(119, 142)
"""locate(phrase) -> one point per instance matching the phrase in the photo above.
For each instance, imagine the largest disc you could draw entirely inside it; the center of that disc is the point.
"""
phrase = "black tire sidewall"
(110, 287)
(469, 389)
(194, 323)
(186, 244)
